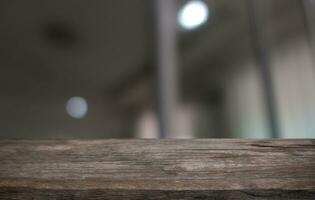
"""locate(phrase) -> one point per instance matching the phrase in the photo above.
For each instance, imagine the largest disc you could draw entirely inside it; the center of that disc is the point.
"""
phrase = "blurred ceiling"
(57, 47)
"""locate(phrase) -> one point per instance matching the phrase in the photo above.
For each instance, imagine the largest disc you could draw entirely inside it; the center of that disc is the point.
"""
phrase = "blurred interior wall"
(192, 120)
(245, 107)
(43, 118)
(292, 70)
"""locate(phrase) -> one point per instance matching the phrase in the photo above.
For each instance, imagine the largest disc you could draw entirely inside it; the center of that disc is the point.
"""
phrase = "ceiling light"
(193, 14)
(77, 107)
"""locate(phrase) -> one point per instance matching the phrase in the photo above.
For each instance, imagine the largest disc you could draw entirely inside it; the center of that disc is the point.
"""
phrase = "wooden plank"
(157, 169)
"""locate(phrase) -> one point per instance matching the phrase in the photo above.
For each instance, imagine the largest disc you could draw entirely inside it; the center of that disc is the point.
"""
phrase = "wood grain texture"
(157, 169)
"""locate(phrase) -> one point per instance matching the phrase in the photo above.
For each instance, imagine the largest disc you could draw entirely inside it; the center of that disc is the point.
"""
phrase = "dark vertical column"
(305, 12)
(166, 65)
(263, 60)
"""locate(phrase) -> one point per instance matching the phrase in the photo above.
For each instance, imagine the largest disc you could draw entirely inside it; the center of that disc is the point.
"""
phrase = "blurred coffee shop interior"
(79, 69)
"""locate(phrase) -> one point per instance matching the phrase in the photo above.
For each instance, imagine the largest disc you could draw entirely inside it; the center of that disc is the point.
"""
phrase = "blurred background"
(157, 69)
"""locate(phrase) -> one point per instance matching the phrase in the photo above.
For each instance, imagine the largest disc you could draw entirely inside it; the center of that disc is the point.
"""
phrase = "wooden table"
(157, 169)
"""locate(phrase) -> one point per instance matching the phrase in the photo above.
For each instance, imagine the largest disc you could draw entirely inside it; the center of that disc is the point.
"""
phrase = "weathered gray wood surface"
(157, 169)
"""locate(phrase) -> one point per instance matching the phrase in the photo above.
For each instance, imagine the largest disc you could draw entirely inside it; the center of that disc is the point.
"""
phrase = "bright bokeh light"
(77, 107)
(193, 14)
